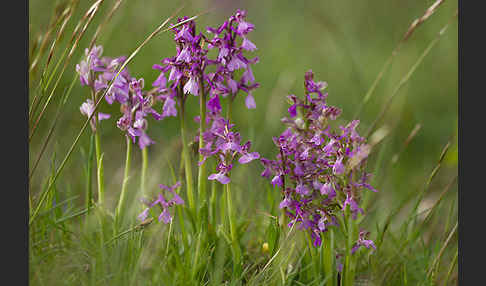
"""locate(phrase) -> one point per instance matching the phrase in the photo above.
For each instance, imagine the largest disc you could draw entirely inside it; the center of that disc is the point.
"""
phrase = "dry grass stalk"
(60, 33)
(49, 136)
(66, 15)
(102, 25)
(441, 251)
(91, 13)
(57, 17)
(407, 76)
(409, 139)
(35, 104)
(441, 197)
(419, 21)
(415, 24)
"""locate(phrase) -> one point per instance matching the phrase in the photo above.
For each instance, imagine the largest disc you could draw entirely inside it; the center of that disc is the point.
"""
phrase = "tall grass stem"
(415, 24)
(92, 13)
(408, 75)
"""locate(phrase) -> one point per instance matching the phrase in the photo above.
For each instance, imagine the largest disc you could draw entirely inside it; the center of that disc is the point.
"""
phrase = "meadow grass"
(84, 202)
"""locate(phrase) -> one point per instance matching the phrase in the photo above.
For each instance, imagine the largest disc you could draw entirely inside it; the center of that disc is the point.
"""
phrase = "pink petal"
(250, 101)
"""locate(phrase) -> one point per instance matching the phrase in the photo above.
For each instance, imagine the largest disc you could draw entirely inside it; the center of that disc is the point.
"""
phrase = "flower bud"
(265, 247)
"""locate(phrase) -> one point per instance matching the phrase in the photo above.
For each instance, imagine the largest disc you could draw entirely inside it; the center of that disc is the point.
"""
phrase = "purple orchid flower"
(317, 168)
(363, 242)
(87, 108)
(165, 215)
(230, 58)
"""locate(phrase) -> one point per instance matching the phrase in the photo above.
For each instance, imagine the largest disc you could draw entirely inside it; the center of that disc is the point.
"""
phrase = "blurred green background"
(345, 43)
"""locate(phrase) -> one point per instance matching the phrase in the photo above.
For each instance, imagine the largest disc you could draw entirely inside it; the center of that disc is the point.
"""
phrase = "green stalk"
(314, 270)
(223, 208)
(183, 228)
(100, 174)
(328, 253)
(230, 104)
(232, 223)
(196, 257)
(451, 268)
(123, 194)
(144, 170)
(99, 169)
(201, 179)
(178, 207)
(89, 191)
(350, 261)
(212, 203)
(231, 215)
(187, 158)
(99, 159)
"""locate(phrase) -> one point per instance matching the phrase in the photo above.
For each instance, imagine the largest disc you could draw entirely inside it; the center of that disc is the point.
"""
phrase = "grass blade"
(442, 250)
(407, 76)
(91, 12)
(415, 24)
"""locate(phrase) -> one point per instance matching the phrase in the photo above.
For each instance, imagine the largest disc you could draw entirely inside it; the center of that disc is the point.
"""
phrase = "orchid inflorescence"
(230, 58)
(319, 171)
(224, 144)
(187, 69)
(161, 200)
(135, 104)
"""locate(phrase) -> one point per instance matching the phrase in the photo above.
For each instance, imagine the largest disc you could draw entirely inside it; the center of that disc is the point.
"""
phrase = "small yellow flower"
(265, 247)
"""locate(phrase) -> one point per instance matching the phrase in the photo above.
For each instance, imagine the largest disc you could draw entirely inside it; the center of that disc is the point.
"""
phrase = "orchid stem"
(314, 270)
(123, 194)
(212, 203)
(350, 261)
(202, 176)
(230, 104)
(183, 228)
(187, 159)
(89, 193)
(144, 171)
(99, 170)
(232, 222)
(99, 160)
(328, 253)
(231, 215)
